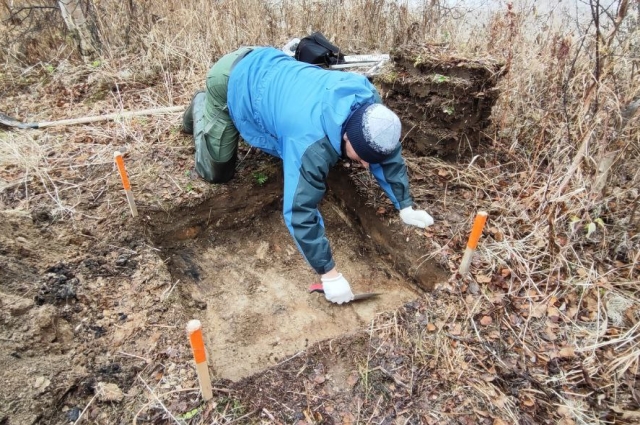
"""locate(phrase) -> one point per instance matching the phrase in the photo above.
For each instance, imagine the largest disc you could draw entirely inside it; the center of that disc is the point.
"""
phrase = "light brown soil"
(255, 286)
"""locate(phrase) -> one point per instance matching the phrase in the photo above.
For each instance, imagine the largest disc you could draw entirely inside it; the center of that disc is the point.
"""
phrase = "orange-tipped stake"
(478, 225)
(194, 329)
(125, 182)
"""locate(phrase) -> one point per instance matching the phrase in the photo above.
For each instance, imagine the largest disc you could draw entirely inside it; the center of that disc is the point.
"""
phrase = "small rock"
(73, 414)
(109, 392)
(474, 288)
(19, 306)
(41, 384)
(122, 260)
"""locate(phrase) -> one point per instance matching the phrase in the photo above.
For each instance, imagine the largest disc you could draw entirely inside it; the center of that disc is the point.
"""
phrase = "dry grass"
(562, 249)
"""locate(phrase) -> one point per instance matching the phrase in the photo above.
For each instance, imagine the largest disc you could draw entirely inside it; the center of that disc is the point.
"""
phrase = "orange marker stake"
(476, 232)
(194, 329)
(125, 182)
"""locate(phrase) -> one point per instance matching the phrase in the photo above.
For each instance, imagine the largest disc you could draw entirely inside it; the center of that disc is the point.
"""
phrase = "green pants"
(215, 135)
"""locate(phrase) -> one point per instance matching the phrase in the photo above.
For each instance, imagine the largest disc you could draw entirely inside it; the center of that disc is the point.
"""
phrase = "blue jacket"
(296, 112)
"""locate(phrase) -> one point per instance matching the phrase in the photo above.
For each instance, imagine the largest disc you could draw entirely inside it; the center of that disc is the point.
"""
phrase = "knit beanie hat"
(374, 132)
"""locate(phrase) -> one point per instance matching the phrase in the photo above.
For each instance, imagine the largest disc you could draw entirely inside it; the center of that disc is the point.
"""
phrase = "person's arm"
(391, 175)
(392, 178)
(305, 175)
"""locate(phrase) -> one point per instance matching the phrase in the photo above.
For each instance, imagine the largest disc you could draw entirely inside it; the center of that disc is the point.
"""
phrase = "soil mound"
(443, 98)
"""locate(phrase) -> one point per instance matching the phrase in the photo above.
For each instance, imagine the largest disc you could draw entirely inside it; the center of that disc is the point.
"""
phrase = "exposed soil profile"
(255, 286)
(444, 100)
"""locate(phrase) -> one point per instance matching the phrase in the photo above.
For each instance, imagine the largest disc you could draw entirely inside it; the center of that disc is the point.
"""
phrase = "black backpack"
(317, 50)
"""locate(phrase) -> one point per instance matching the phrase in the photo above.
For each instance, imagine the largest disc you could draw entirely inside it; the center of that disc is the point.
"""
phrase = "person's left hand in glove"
(418, 218)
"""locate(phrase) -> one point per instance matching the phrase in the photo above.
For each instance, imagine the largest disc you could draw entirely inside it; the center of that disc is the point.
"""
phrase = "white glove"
(418, 218)
(337, 289)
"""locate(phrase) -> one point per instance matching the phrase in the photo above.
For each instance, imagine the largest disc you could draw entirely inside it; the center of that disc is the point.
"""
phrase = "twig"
(290, 358)
(269, 415)
(158, 400)
(576, 162)
(390, 375)
(167, 292)
(122, 353)
(243, 417)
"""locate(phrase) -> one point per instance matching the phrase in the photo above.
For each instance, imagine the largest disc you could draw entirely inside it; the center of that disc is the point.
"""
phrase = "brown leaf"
(480, 278)
(528, 402)
(108, 392)
(549, 334)
(431, 327)
(319, 379)
(626, 414)
(538, 310)
(486, 320)
(567, 352)
(353, 378)
(564, 411)
(348, 419)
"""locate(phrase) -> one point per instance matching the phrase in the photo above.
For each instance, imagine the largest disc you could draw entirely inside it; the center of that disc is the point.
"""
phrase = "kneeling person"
(310, 118)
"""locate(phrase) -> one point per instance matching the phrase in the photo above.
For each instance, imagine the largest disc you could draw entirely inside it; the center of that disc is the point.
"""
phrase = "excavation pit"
(245, 279)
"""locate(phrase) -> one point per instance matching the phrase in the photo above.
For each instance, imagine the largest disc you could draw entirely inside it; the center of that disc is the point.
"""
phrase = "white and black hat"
(374, 132)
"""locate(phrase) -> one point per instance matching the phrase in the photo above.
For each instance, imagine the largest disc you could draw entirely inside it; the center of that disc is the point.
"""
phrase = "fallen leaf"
(348, 419)
(528, 402)
(486, 320)
(626, 414)
(538, 310)
(549, 334)
(567, 352)
(431, 327)
(353, 378)
(480, 278)
(319, 379)
(108, 392)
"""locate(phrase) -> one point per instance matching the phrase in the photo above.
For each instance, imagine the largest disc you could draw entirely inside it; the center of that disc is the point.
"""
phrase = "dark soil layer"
(443, 99)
